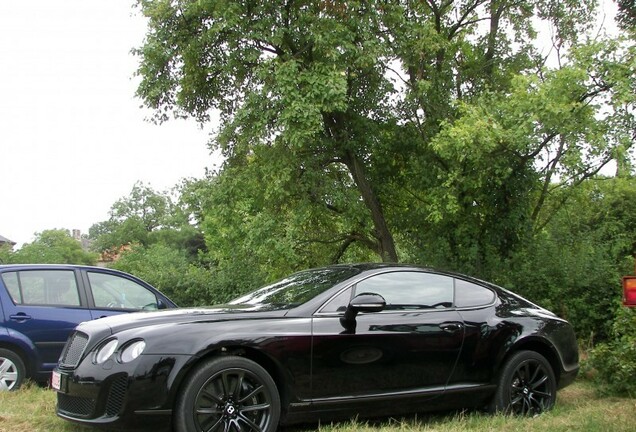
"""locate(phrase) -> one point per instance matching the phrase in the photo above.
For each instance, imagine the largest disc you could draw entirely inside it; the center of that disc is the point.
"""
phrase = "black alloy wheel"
(228, 394)
(527, 385)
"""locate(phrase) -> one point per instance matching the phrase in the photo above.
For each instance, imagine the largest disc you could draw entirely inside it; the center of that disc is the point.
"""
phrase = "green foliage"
(164, 244)
(146, 217)
(54, 246)
(363, 89)
(614, 363)
(356, 130)
(140, 218)
(573, 265)
(627, 14)
(172, 273)
(5, 253)
(262, 223)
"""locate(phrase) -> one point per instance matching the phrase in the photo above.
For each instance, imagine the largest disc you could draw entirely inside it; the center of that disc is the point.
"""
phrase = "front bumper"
(127, 396)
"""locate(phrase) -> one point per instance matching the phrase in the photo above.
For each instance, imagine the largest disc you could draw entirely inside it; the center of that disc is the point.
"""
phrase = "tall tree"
(369, 93)
(143, 217)
(303, 76)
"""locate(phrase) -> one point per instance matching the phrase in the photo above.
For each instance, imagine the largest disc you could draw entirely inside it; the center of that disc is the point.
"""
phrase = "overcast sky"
(73, 138)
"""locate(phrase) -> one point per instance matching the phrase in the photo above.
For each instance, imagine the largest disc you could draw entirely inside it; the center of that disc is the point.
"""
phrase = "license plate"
(59, 382)
(56, 380)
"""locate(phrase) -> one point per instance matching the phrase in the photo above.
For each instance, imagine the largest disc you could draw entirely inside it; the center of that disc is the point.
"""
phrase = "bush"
(170, 271)
(614, 362)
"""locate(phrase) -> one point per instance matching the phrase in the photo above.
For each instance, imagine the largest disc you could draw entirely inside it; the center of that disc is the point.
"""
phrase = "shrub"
(170, 271)
(614, 362)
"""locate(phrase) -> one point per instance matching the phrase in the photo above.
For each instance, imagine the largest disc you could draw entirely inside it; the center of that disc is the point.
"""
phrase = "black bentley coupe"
(328, 343)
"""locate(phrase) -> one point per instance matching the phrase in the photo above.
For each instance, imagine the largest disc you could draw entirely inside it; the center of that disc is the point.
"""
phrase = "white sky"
(73, 139)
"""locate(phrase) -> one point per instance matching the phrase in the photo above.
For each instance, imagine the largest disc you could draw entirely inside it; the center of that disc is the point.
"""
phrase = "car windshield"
(298, 288)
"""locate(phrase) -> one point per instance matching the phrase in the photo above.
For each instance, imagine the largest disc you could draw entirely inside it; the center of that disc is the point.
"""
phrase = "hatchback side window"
(110, 291)
(410, 290)
(10, 280)
(43, 287)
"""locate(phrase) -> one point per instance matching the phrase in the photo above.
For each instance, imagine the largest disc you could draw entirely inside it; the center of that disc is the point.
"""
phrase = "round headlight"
(106, 351)
(132, 351)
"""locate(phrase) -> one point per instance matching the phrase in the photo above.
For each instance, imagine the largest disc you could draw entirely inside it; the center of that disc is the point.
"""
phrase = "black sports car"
(334, 342)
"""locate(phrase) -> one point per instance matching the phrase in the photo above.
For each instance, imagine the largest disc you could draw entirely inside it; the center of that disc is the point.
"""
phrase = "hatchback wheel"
(527, 385)
(12, 370)
(228, 394)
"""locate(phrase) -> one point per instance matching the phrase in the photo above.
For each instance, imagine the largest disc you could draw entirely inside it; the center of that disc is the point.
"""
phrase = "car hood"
(118, 323)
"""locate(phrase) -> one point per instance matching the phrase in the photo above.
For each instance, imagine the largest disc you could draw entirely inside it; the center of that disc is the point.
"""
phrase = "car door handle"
(451, 327)
(20, 317)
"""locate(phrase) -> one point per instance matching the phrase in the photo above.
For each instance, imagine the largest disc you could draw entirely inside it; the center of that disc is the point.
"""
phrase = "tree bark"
(386, 245)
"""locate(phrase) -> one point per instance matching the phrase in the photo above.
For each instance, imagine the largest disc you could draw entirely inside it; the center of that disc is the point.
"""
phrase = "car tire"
(526, 386)
(228, 393)
(12, 370)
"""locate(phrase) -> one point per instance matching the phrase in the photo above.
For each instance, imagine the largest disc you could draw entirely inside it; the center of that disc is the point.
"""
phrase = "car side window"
(338, 303)
(43, 287)
(410, 290)
(110, 291)
(10, 280)
(468, 294)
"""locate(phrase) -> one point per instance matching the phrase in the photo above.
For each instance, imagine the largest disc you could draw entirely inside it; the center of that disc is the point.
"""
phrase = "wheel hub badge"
(230, 410)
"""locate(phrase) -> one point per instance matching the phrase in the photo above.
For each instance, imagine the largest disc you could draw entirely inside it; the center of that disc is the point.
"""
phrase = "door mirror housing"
(365, 302)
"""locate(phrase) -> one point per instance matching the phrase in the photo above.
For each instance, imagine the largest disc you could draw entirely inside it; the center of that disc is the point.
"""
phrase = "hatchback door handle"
(451, 327)
(20, 317)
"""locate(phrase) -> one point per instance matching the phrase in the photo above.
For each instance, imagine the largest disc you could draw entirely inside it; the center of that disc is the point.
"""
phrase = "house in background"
(6, 241)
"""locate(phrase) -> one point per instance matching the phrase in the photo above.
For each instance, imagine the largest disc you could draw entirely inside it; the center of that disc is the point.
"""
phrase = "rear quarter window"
(468, 294)
(10, 280)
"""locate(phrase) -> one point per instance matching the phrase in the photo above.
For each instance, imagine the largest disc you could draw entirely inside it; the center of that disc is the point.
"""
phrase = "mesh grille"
(116, 396)
(77, 406)
(74, 349)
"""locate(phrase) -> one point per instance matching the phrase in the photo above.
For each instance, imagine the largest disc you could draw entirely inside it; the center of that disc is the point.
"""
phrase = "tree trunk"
(386, 245)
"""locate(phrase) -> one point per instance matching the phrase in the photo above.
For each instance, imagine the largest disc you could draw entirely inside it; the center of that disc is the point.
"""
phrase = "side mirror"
(161, 304)
(365, 302)
(629, 291)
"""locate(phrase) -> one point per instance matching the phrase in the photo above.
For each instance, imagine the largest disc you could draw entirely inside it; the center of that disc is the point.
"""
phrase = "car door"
(411, 346)
(45, 306)
(112, 293)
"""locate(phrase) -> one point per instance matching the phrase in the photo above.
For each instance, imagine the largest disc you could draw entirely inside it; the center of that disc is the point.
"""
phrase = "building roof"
(6, 240)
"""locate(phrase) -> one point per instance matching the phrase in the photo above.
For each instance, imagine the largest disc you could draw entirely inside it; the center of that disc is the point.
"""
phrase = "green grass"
(578, 409)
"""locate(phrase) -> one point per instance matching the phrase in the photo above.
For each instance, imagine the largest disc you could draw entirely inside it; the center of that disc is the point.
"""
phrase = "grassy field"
(578, 408)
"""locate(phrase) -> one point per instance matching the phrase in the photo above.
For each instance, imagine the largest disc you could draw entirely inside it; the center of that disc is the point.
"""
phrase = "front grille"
(116, 395)
(73, 350)
(76, 406)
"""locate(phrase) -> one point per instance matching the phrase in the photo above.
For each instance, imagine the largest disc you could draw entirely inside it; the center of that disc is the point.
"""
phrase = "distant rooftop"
(6, 240)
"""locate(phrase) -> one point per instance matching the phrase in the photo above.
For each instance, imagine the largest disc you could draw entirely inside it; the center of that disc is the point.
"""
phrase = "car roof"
(365, 267)
(48, 266)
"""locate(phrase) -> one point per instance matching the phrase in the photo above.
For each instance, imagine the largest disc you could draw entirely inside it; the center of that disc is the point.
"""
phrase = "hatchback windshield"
(298, 288)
